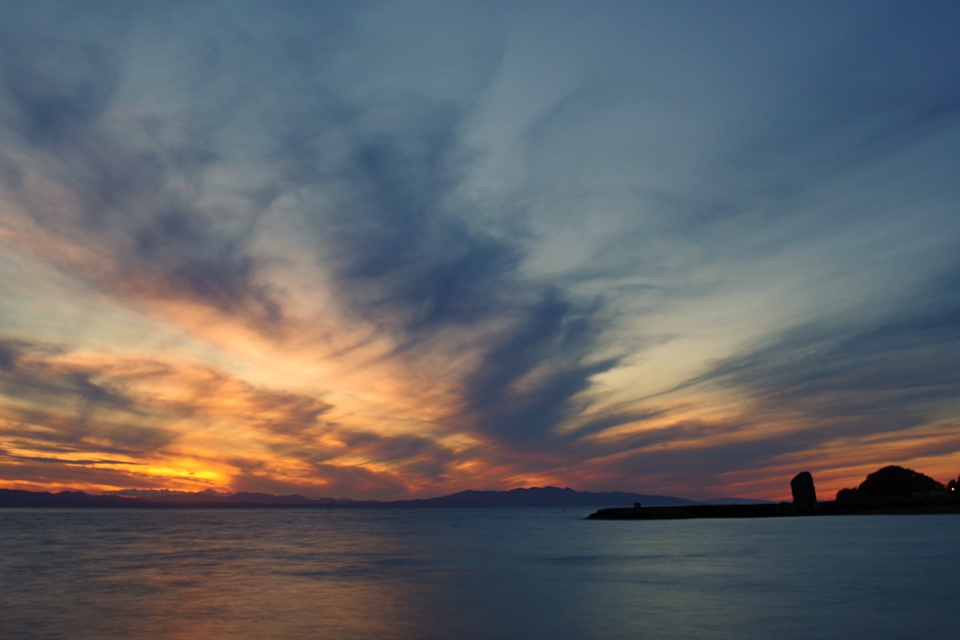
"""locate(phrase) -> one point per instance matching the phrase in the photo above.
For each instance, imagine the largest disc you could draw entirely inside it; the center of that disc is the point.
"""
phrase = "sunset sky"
(401, 249)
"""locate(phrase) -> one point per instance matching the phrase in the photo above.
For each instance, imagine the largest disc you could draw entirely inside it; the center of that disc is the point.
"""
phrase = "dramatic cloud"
(377, 249)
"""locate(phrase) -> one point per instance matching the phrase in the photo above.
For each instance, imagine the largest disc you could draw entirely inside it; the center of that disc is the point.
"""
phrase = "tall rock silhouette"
(804, 493)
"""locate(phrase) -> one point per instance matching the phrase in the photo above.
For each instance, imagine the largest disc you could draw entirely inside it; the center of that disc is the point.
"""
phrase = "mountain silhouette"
(531, 497)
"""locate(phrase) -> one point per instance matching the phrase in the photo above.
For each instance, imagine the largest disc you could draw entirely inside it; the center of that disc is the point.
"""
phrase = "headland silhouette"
(890, 490)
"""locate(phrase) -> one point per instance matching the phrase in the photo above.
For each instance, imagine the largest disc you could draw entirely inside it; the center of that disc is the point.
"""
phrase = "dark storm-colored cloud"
(26, 375)
(424, 272)
(410, 256)
(64, 475)
(135, 195)
(888, 373)
(411, 253)
(76, 407)
(415, 456)
(407, 249)
(10, 353)
(55, 461)
(406, 253)
(527, 382)
(108, 435)
(254, 475)
(54, 89)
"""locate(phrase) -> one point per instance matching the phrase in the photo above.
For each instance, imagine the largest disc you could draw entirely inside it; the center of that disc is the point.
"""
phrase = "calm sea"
(466, 574)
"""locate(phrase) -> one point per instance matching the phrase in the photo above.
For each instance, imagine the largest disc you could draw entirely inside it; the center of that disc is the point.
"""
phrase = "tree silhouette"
(890, 482)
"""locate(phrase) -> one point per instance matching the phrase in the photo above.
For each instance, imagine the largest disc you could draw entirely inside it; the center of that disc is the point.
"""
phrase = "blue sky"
(382, 249)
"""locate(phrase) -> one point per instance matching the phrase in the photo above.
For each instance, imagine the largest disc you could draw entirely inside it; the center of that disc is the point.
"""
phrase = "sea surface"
(471, 574)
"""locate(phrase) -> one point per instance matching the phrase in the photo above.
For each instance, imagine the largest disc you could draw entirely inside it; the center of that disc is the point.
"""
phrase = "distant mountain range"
(533, 497)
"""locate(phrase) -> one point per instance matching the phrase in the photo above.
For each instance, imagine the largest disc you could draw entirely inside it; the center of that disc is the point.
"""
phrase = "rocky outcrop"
(804, 493)
(891, 483)
(889, 491)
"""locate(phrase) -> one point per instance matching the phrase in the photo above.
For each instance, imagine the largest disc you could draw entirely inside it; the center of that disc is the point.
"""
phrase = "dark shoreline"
(780, 510)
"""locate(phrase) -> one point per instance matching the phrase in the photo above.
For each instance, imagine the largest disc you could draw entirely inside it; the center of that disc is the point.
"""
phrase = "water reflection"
(186, 575)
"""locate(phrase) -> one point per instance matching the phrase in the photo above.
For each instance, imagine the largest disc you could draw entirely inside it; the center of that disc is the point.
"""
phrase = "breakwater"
(778, 510)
